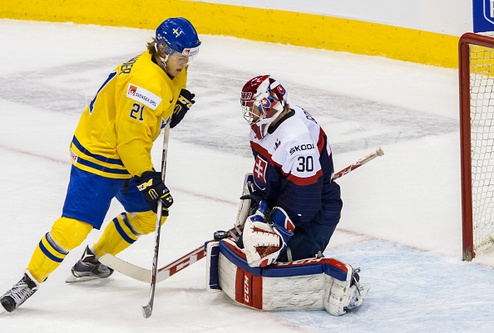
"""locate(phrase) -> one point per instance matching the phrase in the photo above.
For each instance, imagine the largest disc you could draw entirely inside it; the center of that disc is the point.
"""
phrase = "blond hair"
(151, 47)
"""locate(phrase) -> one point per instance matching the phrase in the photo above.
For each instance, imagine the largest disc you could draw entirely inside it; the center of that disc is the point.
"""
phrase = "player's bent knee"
(144, 222)
(69, 233)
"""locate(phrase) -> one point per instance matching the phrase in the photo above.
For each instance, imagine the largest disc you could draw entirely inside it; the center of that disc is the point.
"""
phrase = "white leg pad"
(344, 295)
(307, 284)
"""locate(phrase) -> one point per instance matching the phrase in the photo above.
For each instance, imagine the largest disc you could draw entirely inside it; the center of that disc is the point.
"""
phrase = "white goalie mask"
(262, 99)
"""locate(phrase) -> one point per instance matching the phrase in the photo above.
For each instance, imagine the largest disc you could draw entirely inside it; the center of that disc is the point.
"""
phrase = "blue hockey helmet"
(178, 35)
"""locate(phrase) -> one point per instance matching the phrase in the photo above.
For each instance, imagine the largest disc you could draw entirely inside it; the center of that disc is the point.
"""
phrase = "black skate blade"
(73, 279)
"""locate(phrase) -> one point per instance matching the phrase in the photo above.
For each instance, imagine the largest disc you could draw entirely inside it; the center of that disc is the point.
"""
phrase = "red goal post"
(476, 78)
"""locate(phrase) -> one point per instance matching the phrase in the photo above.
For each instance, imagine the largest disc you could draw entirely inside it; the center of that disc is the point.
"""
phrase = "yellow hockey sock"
(117, 236)
(54, 246)
(123, 231)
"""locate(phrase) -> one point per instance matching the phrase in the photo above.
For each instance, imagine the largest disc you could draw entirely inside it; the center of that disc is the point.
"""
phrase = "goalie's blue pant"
(307, 241)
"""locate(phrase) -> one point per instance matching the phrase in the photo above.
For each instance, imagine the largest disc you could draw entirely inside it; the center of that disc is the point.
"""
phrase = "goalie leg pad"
(244, 207)
(212, 277)
(308, 284)
(343, 295)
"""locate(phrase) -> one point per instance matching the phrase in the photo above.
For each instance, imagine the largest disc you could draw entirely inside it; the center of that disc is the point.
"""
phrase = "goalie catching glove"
(153, 189)
(184, 103)
(266, 236)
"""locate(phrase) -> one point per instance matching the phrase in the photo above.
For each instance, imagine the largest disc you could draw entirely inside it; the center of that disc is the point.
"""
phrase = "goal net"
(476, 70)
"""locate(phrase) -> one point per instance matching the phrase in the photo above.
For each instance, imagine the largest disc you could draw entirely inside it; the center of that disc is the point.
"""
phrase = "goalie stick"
(378, 152)
(144, 275)
(163, 273)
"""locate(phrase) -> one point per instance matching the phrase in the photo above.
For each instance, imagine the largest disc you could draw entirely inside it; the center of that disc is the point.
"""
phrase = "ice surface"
(401, 218)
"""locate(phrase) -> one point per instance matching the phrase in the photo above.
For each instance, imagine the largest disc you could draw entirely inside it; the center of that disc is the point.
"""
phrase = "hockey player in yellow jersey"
(111, 158)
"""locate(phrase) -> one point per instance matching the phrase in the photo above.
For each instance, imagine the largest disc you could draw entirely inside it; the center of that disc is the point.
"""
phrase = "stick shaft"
(359, 163)
(147, 310)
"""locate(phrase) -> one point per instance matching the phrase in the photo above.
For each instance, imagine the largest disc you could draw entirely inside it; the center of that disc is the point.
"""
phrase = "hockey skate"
(88, 268)
(19, 293)
(360, 290)
(346, 295)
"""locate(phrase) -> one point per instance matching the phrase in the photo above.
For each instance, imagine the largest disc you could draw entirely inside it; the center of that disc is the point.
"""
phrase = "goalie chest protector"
(299, 285)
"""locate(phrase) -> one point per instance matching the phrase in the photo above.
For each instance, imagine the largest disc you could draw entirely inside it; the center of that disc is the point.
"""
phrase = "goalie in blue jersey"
(292, 207)
(293, 170)
(111, 158)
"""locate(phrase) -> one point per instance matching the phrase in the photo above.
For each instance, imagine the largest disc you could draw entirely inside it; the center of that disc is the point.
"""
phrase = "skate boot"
(89, 268)
(19, 293)
(342, 296)
(359, 290)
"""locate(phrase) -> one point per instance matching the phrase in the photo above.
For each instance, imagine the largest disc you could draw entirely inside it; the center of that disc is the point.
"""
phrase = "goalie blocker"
(308, 284)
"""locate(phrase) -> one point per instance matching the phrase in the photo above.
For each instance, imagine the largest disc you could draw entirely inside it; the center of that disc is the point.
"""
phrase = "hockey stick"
(147, 310)
(144, 275)
(359, 163)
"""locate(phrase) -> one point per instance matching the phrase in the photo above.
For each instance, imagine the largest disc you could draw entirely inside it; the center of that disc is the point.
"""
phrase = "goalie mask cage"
(476, 78)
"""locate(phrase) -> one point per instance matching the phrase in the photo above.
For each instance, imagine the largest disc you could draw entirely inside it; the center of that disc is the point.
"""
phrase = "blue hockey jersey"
(293, 169)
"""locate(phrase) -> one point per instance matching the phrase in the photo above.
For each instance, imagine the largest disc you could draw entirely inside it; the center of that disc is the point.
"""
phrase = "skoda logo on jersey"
(302, 147)
(489, 10)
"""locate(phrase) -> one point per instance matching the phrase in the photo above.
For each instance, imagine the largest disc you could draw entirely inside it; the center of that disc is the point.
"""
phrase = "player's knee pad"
(69, 233)
(144, 222)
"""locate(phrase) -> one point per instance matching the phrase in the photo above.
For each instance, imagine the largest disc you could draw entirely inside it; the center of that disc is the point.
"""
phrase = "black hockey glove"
(153, 189)
(184, 103)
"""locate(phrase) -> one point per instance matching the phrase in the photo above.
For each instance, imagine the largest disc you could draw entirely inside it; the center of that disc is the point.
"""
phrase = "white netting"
(482, 141)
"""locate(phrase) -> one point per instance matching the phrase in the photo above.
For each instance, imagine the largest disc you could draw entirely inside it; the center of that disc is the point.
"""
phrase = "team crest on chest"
(259, 173)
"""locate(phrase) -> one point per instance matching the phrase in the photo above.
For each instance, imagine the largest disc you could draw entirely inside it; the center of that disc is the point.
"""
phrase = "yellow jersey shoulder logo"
(143, 96)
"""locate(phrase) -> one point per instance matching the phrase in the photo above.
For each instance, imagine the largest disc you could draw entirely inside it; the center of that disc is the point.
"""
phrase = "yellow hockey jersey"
(117, 129)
